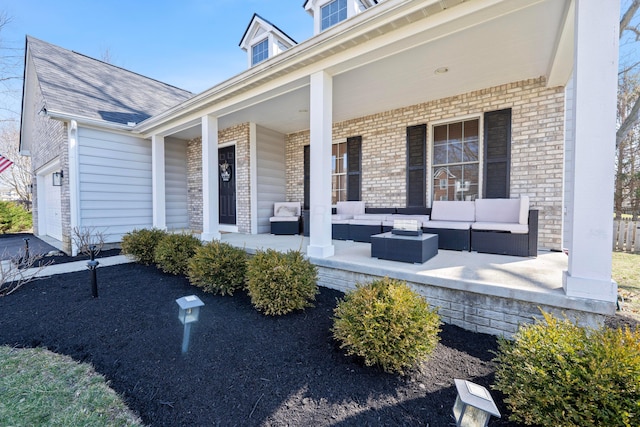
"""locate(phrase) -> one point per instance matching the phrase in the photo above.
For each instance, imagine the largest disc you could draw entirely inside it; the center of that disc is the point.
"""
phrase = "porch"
(479, 292)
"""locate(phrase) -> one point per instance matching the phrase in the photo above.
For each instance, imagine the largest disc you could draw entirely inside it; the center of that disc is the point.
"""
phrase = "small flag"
(4, 163)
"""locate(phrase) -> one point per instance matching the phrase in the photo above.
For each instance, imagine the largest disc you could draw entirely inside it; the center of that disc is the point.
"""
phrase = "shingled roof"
(76, 84)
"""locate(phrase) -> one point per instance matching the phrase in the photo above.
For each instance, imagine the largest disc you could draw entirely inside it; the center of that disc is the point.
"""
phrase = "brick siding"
(240, 136)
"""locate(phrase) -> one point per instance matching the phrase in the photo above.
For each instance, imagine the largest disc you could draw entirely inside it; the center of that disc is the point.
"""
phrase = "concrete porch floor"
(535, 281)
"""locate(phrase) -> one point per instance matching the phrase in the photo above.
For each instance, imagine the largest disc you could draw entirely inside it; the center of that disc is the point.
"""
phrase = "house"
(386, 103)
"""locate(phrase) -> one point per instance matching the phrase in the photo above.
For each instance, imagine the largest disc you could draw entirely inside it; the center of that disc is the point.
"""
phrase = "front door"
(227, 184)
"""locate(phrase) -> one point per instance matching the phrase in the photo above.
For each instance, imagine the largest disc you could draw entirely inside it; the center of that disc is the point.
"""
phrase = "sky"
(191, 44)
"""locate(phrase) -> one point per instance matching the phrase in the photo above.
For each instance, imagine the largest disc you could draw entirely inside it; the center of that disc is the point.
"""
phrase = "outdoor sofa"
(497, 226)
(500, 226)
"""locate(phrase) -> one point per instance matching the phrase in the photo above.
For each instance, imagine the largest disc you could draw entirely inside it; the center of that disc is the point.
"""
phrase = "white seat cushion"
(365, 222)
(380, 217)
(340, 217)
(453, 225)
(284, 219)
(501, 226)
(452, 210)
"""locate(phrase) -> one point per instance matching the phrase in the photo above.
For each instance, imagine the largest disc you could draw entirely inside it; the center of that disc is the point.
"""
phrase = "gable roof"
(77, 85)
(257, 20)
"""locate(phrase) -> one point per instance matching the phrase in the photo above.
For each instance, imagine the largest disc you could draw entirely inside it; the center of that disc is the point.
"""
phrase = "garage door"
(52, 209)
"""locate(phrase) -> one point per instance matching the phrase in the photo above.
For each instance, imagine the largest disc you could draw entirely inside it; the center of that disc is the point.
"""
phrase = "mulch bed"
(242, 368)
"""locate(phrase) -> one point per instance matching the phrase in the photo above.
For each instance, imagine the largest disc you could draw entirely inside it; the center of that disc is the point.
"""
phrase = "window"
(338, 172)
(346, 168)
(332, 13)
(260, 52)
(456, 160)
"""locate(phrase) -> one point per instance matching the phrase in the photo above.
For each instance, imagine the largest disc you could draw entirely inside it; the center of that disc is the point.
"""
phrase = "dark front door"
(227, 184)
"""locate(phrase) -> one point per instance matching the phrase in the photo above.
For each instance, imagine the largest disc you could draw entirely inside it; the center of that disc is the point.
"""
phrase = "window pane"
(439, 154)
(470, 148)
(454, 153)
(440, 134)
(455, 132)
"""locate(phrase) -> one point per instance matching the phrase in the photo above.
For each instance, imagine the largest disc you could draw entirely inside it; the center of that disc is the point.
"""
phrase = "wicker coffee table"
(415, 249)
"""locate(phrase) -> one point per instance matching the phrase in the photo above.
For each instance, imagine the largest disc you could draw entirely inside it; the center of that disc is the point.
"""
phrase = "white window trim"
(430, 144)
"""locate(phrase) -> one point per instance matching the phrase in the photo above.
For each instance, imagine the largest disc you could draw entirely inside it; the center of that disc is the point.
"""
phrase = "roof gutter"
(59, 115)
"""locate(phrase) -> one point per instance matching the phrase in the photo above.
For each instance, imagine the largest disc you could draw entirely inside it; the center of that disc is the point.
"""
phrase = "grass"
(626, 272)
(38, 387)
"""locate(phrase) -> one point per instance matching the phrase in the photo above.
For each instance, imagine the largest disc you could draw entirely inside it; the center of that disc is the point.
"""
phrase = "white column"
(74, 182)
(595, 91)
(158, 182)
(253, 176)
(210, 201)
(321, 113)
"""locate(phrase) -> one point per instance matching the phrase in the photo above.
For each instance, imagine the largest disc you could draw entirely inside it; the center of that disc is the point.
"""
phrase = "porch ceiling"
(501, 42)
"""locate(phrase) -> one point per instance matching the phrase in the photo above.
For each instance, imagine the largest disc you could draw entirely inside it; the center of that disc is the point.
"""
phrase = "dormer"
(263, 40)
(327, 13)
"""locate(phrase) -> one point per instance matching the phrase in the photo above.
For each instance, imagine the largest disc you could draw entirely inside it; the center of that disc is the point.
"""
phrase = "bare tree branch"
(628, 16)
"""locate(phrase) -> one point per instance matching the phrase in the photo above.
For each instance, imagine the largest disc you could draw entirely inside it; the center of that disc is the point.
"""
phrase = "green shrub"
(387, 324)
(279, 283)
(141, 244)
(174, 251)
(557, 373)
(218, 268)
(14, 218)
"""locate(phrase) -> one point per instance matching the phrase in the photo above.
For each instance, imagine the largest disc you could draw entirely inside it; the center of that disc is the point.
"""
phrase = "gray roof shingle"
(76, 84)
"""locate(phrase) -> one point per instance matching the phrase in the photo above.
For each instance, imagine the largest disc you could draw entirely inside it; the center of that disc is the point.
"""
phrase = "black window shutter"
(354, 162)
(497, 154)
(416, 165)
(307, 176)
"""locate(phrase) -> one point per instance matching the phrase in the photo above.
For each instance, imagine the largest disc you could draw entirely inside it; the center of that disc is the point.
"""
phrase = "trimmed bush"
(14, 218)
(387, 324)
(141, 244)
(556, 373)
(279, 283)
(174, 251)
(218, 268)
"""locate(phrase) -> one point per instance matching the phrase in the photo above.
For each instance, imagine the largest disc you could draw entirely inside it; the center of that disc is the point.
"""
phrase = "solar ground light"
(188, 314)
(474, 405)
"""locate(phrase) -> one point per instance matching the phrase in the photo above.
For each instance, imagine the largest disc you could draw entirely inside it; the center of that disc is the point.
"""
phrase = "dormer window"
(332, 13)
(259, 51)
(327, 13)
(263, 40)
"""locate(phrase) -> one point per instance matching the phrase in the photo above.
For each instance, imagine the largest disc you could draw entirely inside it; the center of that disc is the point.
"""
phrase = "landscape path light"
(92, 265)
(474, 405)
(188, 313)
